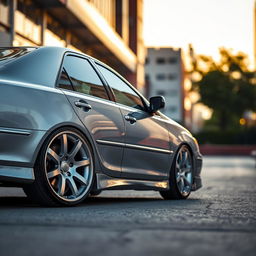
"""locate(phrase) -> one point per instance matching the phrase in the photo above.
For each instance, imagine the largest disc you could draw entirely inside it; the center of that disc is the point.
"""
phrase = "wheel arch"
(77, 127)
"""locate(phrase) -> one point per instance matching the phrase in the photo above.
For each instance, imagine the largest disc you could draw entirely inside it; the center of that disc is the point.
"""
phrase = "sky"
(207, 24)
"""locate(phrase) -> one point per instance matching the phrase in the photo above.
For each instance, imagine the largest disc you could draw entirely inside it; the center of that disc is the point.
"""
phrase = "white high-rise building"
(165, 76)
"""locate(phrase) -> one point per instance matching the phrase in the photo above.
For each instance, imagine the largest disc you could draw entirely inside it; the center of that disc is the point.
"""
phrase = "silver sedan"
(71, 126)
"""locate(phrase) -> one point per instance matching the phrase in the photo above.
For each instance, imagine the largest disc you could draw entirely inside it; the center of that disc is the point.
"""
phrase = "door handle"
(84, 105)
(131, 119)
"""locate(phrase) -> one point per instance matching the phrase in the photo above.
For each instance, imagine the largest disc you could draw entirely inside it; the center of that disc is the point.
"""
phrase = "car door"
(147, 153)
(100, 116)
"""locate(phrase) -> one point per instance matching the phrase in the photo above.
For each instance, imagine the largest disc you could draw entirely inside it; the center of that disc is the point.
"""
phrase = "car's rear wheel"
(181, 175)
(64, 170)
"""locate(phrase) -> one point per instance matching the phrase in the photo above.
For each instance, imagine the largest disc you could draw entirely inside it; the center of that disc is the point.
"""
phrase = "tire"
(95, 193)
(181, 175)
(64, 170)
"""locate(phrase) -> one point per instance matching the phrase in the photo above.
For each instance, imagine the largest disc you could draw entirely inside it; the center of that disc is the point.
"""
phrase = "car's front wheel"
(181, 175)
(64, 170)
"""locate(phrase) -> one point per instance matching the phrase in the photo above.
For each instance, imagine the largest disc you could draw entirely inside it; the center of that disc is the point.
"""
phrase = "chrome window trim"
(89, 97)
(32, 86)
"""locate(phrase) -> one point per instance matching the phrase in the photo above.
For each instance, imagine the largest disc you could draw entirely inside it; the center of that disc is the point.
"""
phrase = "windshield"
(9, 54)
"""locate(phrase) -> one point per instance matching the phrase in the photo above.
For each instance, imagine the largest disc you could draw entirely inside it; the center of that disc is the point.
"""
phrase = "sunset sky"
(207, 24)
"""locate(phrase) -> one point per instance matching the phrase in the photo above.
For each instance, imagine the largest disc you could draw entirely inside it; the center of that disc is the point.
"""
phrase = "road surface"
(219, 219)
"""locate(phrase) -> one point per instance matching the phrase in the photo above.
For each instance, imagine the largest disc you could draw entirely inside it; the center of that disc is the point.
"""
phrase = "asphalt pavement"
(219, 219)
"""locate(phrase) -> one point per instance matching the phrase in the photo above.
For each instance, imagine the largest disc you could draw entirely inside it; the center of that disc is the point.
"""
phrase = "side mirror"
(156, 103)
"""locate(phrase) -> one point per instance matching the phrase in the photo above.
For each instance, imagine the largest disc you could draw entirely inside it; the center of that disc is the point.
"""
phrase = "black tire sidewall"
(40, 173)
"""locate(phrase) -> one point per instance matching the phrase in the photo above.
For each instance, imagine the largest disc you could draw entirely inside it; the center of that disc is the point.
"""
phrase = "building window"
(161, 92)
(160, 77)
(147, 61)
(173, 92)
(4, 12)
(147, 77)
(106, 9)
(173, 109)
(160, 60)
(27, 21)
(172, 60)
(172, 76)
(55, 34)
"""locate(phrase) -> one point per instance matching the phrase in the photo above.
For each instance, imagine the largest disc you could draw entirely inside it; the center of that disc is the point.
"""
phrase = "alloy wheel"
(184, 171)
(68, 166)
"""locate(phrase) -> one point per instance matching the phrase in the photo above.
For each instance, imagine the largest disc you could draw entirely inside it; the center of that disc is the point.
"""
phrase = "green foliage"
(227, 87)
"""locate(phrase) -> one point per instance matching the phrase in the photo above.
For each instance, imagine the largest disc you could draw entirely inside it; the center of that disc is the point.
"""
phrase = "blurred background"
(198, 54)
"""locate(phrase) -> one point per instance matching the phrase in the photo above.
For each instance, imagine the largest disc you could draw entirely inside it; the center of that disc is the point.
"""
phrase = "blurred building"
(165, 76)
(110, 30)
(254, 28)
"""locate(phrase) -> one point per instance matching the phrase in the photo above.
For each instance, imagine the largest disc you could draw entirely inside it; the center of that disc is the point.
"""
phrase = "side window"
(123, 93)
(64, 81)
(83, 77)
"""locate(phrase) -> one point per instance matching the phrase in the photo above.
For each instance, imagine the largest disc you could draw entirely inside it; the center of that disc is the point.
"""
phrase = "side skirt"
(16, 174)
(110, 183)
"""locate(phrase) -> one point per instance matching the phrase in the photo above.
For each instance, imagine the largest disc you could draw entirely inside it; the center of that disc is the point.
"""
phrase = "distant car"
(71, 126)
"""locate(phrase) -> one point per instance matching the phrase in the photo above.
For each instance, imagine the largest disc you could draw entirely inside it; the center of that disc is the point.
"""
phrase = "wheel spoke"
(180, 158)
(178, 178)
(62, 186)
(181, 184)
(187, 181)
(68, 166)
(53, 173)
(72, 186)
(184, 158)
(53, 155)
(82, 163)
(177, 165)
(54, 183)
(76, 148)
(80, 178)
(187, 169)
(64, 144)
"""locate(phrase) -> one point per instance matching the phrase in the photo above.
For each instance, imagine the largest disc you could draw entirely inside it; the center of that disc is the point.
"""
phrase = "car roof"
(39, 66)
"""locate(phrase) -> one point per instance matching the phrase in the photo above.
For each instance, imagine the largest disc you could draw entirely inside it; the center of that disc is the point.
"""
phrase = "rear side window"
(83, 77)
(64, 81)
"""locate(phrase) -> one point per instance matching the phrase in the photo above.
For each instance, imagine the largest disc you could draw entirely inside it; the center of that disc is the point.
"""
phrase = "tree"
(227, 86)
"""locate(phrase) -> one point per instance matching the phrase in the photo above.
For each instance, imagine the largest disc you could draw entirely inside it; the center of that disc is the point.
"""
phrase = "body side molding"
(125, 145)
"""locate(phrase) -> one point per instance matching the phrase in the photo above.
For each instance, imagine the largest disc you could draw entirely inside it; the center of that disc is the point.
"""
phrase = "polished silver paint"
(131, 148)
(104, 122)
